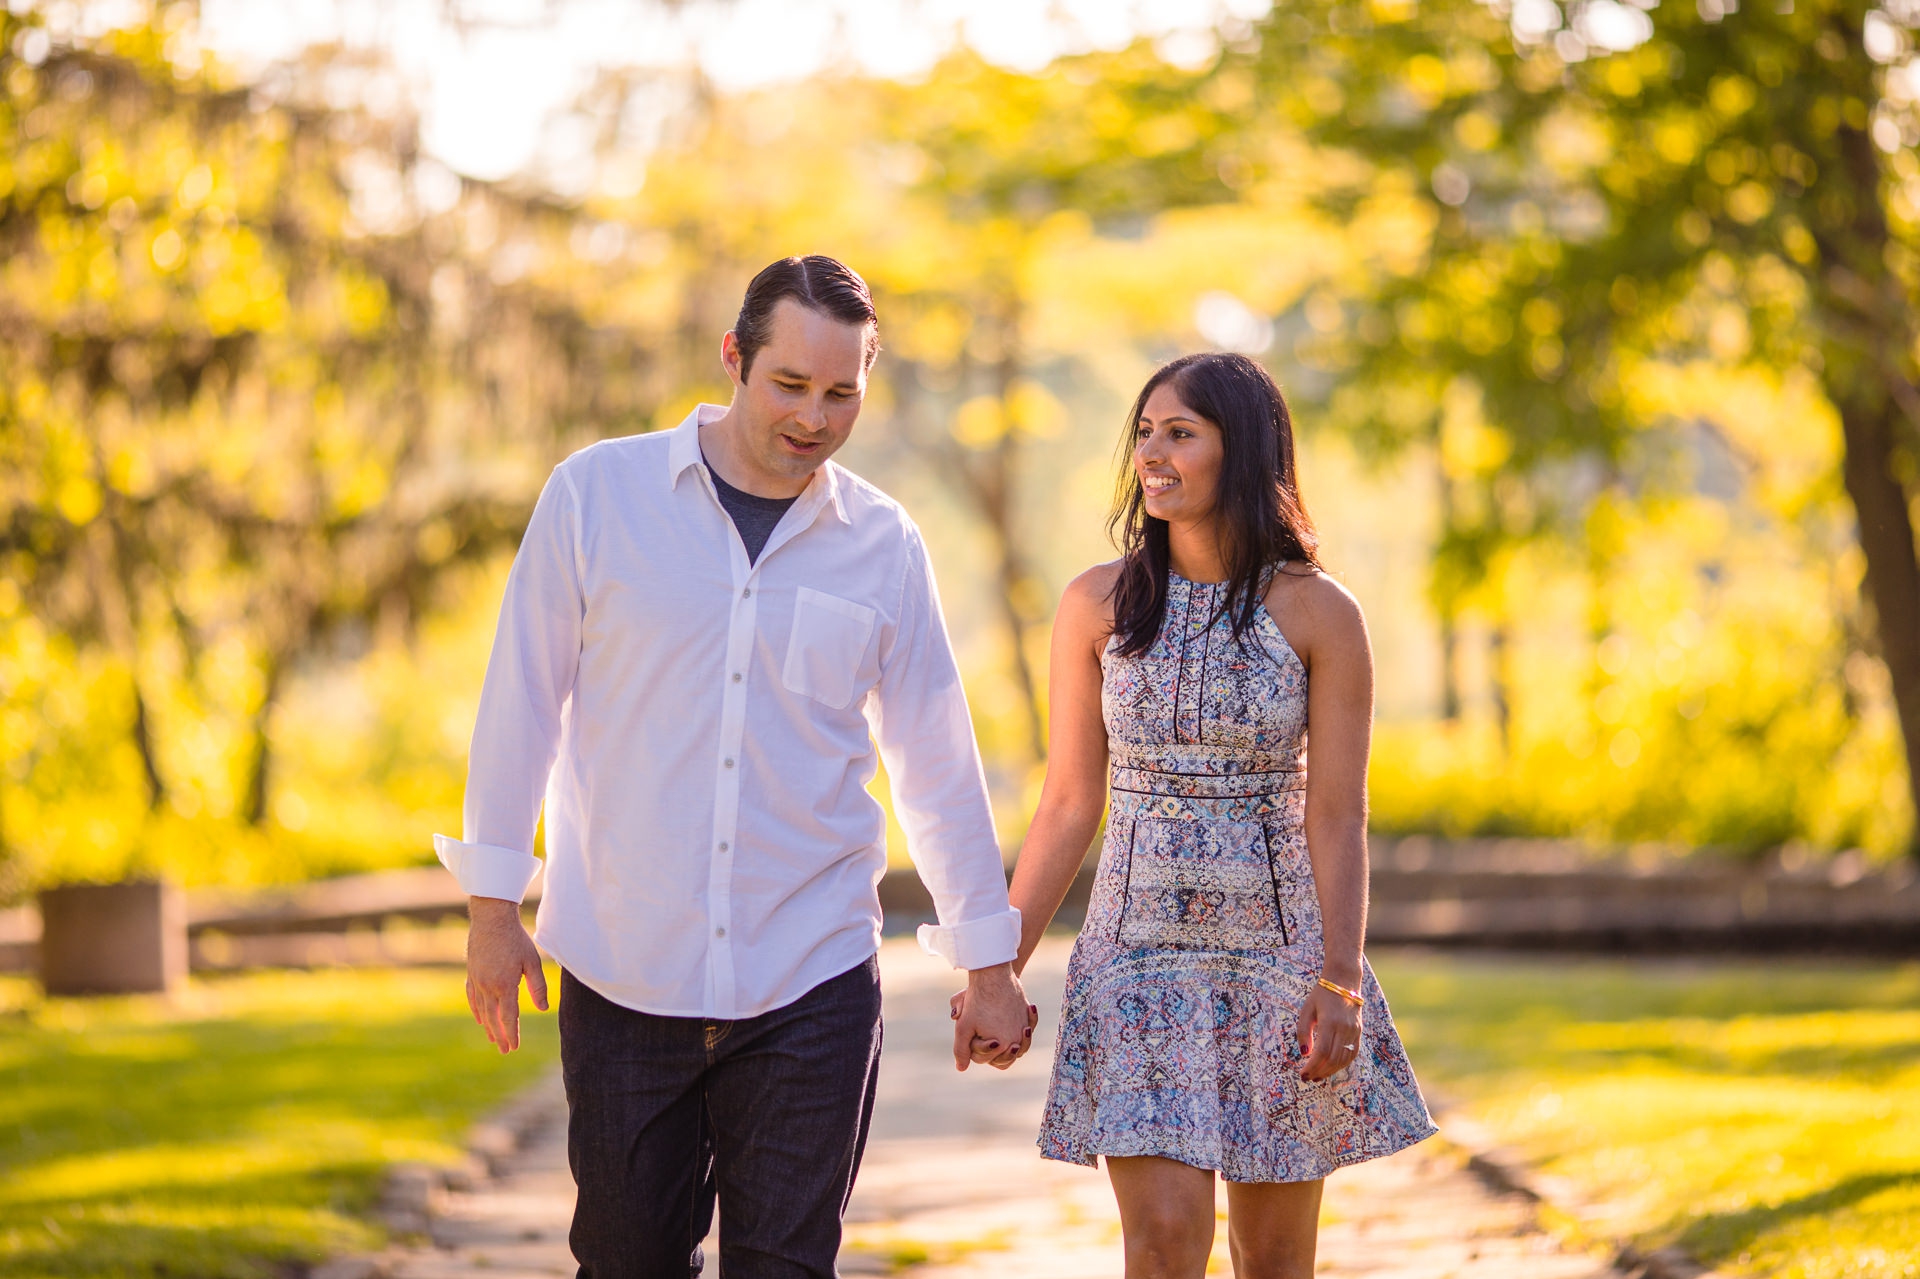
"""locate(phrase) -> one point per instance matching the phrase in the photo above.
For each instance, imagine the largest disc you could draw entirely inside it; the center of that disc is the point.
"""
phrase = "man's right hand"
(993, 1022)
(499, 954)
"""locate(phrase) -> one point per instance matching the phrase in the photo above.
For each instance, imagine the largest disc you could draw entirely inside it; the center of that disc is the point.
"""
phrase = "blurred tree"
(265, 371)
(1604, 186)
(997, 159)
(946, 194)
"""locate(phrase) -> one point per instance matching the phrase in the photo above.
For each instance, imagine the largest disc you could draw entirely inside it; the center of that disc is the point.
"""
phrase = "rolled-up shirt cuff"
(487, 870)
(978, 943)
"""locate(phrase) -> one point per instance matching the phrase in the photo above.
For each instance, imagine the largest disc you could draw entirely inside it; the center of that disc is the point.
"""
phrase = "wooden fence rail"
(1533, 894)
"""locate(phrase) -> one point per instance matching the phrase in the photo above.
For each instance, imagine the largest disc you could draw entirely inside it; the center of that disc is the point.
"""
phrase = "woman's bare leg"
(1272, 1227)
(1166, 1216)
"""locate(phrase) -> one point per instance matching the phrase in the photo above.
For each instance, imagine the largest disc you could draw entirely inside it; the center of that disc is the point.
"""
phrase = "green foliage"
(1674, 728)
(1581, 214)
(236, 1133)
(1710, 193)
(1457, 780)
(276, 392)
(1761, 1116)
(270, 379)
(955, 198)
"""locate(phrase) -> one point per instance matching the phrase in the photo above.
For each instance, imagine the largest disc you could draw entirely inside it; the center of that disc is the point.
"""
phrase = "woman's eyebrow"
(1177, 417)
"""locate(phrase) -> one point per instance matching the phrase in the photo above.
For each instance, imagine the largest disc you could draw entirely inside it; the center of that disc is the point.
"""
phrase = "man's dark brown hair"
(816, 282)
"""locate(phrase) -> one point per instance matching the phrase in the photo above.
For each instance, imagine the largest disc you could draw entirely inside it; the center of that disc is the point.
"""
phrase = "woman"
(1219, 1015)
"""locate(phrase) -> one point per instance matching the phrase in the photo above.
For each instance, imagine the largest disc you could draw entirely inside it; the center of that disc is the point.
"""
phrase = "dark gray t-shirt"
(752, 514)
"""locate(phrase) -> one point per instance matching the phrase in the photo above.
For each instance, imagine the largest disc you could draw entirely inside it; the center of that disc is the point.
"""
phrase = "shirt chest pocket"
(825, 650)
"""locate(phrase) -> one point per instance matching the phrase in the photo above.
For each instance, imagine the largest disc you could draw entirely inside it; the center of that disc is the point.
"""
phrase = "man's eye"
(841, 395)
(791, 388)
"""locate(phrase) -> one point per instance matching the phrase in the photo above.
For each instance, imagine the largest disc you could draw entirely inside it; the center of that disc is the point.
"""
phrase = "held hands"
(499, 953)
(1328, 1029)
(992, 1020)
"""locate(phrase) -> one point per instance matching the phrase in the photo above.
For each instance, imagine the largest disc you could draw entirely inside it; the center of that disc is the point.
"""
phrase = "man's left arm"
(925, 736)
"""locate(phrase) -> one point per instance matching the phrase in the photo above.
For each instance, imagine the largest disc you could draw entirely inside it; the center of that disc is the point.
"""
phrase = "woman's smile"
(1175, 448)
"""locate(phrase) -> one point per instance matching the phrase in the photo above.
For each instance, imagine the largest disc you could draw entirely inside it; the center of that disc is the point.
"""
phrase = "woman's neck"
(1193, 551)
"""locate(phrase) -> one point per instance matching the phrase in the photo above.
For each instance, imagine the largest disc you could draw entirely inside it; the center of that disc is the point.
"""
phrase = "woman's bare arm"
(1326, 628)
(1075, 792)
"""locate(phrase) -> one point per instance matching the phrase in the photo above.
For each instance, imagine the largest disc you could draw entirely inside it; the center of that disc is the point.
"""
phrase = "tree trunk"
(1500, 677)
(253, 807)
(1014, 571)
(989, 484)
(992, 488)
(1013, 578)
(1867, 331)
(1449, 665)
(143, 742)
(6, 852)
(1446, 605)
(113, 587)
(1893, 570)
(985, 481)
(992, 480)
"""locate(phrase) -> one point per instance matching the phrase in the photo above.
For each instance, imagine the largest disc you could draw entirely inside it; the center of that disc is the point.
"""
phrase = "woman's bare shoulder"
(1087, 603)
(1096, 583)
(1316, 608)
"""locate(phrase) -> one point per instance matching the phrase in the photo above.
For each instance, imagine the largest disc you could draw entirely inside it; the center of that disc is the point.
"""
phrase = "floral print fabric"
(1203, 933)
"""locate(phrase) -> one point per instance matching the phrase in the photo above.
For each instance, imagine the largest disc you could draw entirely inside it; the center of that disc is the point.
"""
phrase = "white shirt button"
(747, 594)
(719, 932)
(736, 677)
(724, 845)
(729, 763)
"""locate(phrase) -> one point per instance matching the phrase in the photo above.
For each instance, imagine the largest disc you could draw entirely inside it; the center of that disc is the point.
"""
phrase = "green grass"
(239, 1129)
(1763, 1116)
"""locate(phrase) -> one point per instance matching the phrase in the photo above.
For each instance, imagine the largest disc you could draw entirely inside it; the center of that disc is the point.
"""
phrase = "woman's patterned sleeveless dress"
(1203, 934)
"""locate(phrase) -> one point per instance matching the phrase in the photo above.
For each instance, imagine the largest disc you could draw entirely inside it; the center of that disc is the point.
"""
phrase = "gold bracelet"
(1351, 996)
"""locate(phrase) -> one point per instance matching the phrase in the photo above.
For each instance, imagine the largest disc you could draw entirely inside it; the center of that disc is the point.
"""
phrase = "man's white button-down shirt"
(701, 731)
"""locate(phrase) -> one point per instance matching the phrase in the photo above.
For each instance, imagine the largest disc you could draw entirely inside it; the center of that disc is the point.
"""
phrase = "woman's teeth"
(1156, 483)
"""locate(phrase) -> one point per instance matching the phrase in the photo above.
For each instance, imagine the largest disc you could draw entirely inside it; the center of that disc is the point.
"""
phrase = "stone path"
(953, 1189)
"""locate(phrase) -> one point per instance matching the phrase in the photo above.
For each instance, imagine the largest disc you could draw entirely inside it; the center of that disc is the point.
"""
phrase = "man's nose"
(812, 413)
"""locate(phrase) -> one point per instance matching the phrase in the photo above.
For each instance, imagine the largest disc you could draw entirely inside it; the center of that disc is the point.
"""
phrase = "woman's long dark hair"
(1257, 505)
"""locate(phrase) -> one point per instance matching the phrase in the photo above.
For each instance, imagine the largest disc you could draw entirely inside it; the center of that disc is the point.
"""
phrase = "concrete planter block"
(113, 939)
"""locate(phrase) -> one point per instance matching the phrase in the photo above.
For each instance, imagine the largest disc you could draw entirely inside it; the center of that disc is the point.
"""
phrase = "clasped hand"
(992, 1020)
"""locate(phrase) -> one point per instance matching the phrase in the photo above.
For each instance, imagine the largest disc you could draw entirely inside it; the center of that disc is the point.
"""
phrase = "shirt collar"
(683, 453)
(683, 444)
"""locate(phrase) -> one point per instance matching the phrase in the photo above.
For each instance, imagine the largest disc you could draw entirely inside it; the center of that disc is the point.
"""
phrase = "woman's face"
(1177, 455)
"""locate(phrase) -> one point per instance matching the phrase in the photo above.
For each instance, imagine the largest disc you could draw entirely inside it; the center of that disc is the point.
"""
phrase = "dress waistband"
(1206, 783)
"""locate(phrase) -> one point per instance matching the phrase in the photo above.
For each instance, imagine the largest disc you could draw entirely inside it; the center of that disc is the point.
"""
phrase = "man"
(704, 632)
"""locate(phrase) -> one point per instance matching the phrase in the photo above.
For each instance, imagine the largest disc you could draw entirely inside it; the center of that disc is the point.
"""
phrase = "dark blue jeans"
(767, 1114)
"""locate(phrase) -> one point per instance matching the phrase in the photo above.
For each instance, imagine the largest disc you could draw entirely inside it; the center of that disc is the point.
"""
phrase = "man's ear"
(730, 358)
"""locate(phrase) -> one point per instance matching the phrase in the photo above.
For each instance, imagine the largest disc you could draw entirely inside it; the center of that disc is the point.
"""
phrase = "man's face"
(798, 403)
